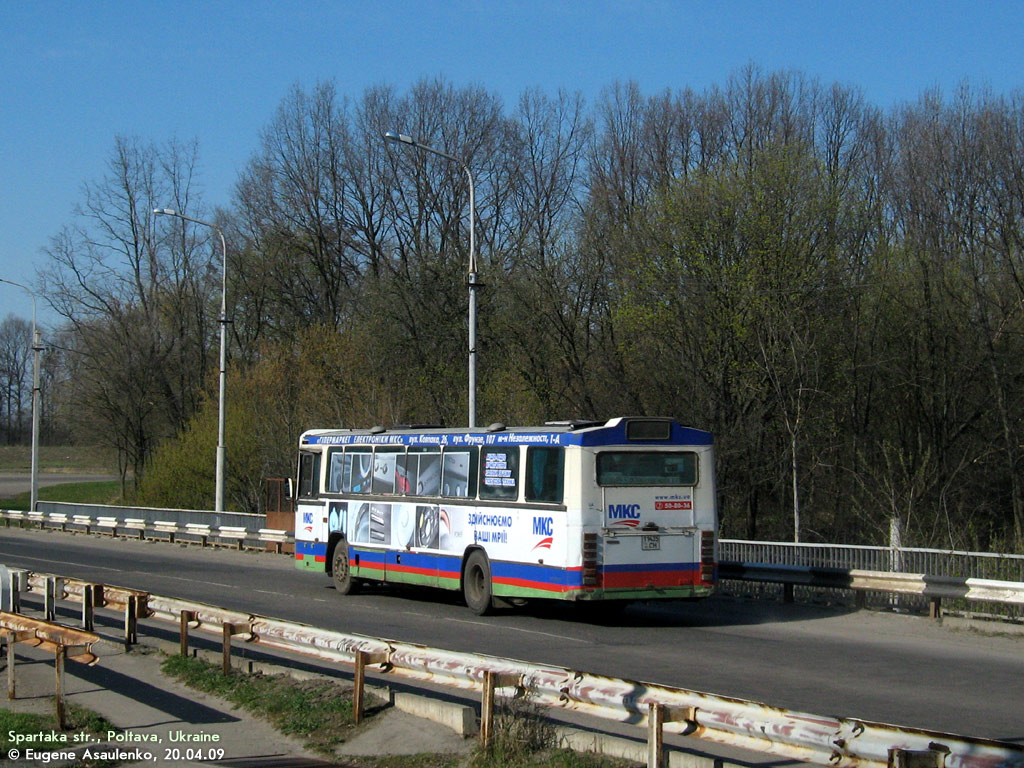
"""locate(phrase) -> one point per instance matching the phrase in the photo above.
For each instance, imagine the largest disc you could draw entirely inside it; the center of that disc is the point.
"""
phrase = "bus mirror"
(291, 488)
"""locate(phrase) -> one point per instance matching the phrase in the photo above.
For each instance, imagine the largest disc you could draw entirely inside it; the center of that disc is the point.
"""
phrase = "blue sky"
(73, 75)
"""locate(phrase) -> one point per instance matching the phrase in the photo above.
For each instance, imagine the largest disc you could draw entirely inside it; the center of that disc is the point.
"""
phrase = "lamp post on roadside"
(219, 499)
(472, 278)
(36, 396)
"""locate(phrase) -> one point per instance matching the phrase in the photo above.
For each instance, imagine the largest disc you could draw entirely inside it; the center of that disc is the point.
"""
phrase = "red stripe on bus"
(395, 568)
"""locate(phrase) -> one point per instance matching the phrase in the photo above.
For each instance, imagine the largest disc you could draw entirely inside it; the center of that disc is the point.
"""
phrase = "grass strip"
(317, 712)
(525, 738)
(98, 492)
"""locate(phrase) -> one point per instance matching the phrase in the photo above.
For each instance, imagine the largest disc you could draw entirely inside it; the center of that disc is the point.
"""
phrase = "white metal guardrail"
(964, 580)
(933, 588)
(170, 530)
(938, 562)
(840, 742)
(151, 514)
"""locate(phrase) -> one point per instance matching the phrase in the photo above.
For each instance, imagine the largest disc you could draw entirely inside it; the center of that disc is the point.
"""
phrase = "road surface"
(881, 667)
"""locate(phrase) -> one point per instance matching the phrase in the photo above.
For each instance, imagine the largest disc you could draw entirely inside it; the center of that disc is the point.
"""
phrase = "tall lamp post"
(219, 500)
(472, 279)
(36, 349)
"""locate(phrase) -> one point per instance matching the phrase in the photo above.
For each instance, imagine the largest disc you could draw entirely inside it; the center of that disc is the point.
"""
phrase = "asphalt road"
(882, 667)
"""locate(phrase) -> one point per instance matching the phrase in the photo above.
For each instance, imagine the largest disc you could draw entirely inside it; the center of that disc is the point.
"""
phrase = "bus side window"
(499, 473)
(404, 482)
(545, 468)
(423, 468)
(384, 466)
(458, 474)
(358, 469)
(335, 470)
(309, 475)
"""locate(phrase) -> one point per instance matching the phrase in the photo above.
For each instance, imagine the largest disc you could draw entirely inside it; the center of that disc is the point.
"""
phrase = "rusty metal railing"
(63, 642)
(841, 742)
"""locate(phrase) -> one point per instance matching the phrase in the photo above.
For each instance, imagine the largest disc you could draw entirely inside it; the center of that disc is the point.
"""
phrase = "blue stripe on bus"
(374, 556)
(679, 436)
(616, 435)
(537, 574)
(313, 548)
(651, 567)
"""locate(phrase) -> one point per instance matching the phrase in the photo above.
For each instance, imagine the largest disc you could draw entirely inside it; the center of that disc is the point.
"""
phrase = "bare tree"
(15, 376)
(137, 300)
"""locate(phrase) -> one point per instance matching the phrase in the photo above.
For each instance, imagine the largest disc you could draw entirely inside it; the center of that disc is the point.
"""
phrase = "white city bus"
(617, 510)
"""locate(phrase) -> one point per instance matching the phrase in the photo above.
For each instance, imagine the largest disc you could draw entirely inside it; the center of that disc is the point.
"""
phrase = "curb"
(461, 718)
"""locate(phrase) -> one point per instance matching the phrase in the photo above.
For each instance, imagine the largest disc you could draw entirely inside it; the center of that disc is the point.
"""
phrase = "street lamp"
(36, 349)
(472, 278)
(219, 501)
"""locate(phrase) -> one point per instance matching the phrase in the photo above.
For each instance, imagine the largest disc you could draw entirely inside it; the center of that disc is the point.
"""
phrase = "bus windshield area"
(646, 468)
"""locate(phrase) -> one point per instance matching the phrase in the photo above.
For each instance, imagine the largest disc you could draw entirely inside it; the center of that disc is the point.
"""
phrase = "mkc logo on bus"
(625, 514)
(624, 511)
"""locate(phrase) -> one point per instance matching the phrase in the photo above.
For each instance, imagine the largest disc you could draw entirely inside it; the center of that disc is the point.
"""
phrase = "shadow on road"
(715, 611)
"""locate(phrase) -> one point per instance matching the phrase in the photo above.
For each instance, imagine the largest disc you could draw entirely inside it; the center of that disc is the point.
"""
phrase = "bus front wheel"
(476, 583)
(341, 573)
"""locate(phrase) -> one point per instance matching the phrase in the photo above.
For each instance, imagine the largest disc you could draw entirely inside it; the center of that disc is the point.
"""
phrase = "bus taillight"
(589, 560)
(707, 556)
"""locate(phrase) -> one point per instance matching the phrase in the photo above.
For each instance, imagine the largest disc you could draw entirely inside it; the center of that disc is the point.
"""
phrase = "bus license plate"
(648, 543)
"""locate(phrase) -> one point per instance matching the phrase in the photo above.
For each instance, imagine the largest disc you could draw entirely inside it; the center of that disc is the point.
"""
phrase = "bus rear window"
(646, 468)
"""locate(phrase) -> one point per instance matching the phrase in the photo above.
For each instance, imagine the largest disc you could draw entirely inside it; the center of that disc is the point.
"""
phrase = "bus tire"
(476, 583)
(341, 573)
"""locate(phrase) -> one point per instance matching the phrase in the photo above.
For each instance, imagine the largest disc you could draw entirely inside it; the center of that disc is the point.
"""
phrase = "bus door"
(413, 529)
(310, 516)
(388, 539)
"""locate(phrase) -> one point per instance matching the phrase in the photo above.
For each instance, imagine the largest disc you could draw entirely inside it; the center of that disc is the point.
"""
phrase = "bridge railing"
(153, 514)
(154, 525)
(822, 740)
(937, 562)
(948, 564)
(791, 581)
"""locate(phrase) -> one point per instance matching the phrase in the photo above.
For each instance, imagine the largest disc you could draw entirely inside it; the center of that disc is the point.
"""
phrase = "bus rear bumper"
(690, 592)
(596, 594)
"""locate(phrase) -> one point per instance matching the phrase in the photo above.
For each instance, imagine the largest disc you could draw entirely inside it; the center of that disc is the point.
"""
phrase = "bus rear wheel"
(341, 573)
(476, 584)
